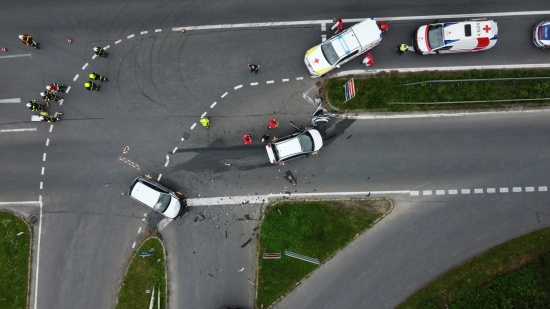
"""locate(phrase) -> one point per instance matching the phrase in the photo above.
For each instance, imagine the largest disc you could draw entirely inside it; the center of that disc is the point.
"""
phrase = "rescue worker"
(49, 119)
(53, 87)
(368, 60)
(91, 86)
(27, 39)
(273, 123)
(338, 25)
(35, 106)
(96, 76)
(50, 96)
(383, 26)
(100, 52)
(247, 138)
(205, 122)
(402, 48)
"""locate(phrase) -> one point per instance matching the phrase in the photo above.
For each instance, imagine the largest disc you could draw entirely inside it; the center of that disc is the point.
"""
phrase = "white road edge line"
(14, 100)
(436, 115)
(18, 130)
(38, 255)
(16, 56)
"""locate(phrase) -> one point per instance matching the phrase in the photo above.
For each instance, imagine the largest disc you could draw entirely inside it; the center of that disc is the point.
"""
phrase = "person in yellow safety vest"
(96, 76)
(402, 48)
(91, 86)
(205, 122)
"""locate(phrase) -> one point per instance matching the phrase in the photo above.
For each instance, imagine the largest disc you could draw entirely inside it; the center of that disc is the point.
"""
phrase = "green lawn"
(377, 93)
(515, 274)
(316, 229)
(14, 261)
(143, 274)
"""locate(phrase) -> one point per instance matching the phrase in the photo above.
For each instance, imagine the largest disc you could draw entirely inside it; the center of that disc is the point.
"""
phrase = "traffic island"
(512, 275)
(295, 237)
(438, 90)
(144, 284)
(15, 261)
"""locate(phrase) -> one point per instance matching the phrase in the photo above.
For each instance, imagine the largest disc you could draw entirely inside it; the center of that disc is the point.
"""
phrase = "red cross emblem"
(486, 28)
(316, 60)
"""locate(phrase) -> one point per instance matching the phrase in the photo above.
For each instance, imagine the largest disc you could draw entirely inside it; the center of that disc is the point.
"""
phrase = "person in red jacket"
(338, 25)
(368, 60)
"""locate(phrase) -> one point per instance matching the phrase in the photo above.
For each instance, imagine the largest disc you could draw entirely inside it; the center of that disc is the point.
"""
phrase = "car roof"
(455, 31)
(145, 194)
(367, 32)
(288, 147)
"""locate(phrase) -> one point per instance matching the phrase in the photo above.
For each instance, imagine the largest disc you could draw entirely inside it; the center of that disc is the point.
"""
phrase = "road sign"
(349, 90)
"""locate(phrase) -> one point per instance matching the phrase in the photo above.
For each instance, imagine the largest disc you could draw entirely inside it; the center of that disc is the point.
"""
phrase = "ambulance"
(541, 35)
(455, 37)
(343, 47)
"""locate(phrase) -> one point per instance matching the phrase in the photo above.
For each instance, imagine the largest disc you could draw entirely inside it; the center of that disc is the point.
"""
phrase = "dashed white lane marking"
(144, 32)
(415, 193)
(51, 128)
(160, 176)
(158, 30)
(503, 190)
(253, 84)
(213, 104)
(130, 36)
(75, 78)
(516, 189)
(41, 185)
(85, 66)
(238, 87)
(427, 192)
(453, 192)
(223, 95)
(477, 191)
(193, 126)
(529, 189)
(120, 40)
(542, 189)
(323, 37)
(107, 47)
(491, 190)
(299, 78)
(68, 89)
(465, 191)
(270, 82)
(203, 114)
(439, 192)
(17, 130)
(285, 80)
(94, 56)
(15, 56)
(163, 223)
(14, 100)
(139, 230)
(175, 149)
(167, 160)
(42, 172)
(323, 27)
(47, 142)
(44, 157)
(134, 245)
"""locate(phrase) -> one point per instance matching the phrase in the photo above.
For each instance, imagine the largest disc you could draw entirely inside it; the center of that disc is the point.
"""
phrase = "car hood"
(173, 210)
(317, 60)
(422, 39)
(317, 139)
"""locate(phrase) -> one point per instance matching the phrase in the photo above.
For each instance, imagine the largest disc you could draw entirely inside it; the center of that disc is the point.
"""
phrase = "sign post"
(349, 90)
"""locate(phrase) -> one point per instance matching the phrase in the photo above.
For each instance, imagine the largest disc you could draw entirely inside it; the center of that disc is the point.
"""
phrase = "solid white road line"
(23, 203)
(14, 100)
(16, 56)
(411, 116)
(17, 130)
(38, 256)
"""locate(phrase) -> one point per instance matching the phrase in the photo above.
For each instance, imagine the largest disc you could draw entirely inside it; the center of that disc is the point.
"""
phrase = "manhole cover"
(33, 219)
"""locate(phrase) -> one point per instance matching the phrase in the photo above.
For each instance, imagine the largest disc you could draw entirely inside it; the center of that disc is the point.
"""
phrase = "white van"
(455, 37)
(343, 47)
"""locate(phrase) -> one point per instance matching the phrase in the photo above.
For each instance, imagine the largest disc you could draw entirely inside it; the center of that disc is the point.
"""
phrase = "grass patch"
(315, 229)
(143, 274)
(14, 261)
(375, 92)
(512, 275)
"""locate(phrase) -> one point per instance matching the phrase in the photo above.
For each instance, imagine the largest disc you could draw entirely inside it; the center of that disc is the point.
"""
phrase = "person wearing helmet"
(91, 86)
(50, 96)
(34, 106)
(49, 119)
(53, 87)
(205, 122)
(27, 39)
(96, 76)
(100, 52)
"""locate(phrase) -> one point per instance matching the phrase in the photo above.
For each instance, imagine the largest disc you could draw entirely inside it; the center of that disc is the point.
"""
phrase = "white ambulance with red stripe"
(455, 37)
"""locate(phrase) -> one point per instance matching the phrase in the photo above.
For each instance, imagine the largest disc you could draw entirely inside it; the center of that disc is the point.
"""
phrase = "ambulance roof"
(367, 32)
(469, 30)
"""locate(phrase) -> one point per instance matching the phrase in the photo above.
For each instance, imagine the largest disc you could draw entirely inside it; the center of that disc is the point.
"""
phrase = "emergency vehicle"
(455, 37)
(541, 35)
(343, 47)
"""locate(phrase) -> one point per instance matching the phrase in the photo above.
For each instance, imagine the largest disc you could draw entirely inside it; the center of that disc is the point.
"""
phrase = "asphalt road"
(161, 82)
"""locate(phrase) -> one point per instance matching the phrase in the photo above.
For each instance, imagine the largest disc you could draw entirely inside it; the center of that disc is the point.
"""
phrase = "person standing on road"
(247, 138)
(51, 119)
(273, 123)
(338, 25)
(383, 26)
(34, 106)
(205, 122)
(100, 52)
(368, 60)
(402, 48)
(54, 87)
(50, 96)
(28, 40)
(254, 68)
(91, 86)
(96, 76)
